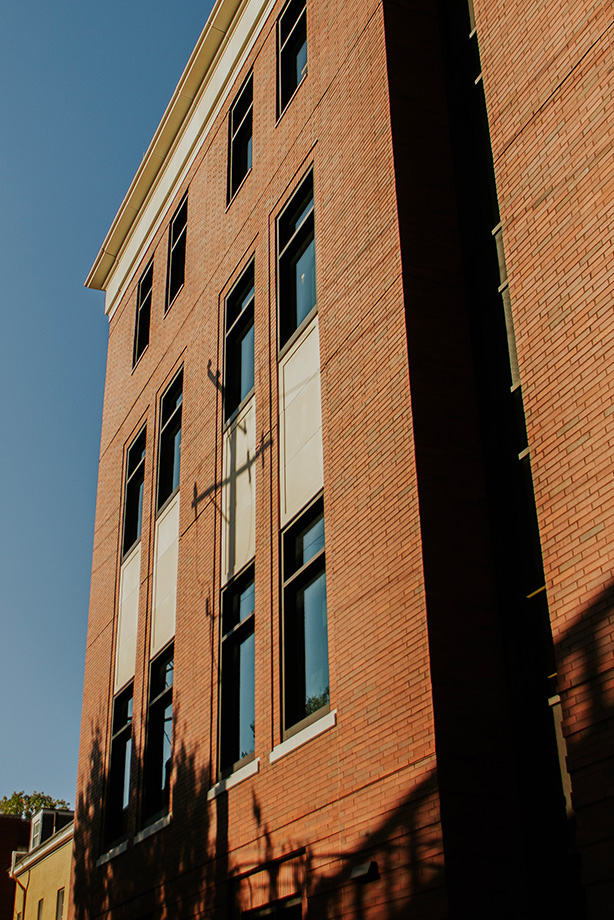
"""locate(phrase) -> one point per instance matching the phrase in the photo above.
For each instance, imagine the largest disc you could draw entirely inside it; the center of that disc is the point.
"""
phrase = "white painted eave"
(196, 69)
(57, 840)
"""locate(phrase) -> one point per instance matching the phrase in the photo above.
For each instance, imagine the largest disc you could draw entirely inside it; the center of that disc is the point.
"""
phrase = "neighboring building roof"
(24, 861)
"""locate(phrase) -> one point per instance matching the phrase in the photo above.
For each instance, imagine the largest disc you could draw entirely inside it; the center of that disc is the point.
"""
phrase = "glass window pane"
(172, 399)
(239, 358)
(305, 281)
(59, 905)
(127, 756)
(316, 644)
(304, 542)
(170, 441)
(292, 50)
(167, 739)
(176, 458)
(247, 362)
(298, 52)
(310, 541)
(297, 268)
(296, 212)
(247, 601)
(162, 675)
(247, 697)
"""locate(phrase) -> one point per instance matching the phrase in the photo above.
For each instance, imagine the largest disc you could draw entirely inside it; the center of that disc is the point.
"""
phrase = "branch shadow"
(174, 872)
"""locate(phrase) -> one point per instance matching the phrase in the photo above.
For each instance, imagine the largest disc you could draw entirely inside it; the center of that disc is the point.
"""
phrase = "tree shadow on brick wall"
(177, 871)
(584, 660)
(184, 869)
(394, 870)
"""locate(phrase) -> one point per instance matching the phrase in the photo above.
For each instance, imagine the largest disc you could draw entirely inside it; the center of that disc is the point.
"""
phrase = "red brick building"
(14, 835)
(354, 476)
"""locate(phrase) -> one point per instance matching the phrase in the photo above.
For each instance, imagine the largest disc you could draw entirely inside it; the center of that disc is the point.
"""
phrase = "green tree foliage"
(27, 805)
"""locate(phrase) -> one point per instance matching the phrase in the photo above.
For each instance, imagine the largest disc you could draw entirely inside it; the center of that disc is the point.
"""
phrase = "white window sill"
(112, 853)
(305, 735)
(153, 828)
(250, 769)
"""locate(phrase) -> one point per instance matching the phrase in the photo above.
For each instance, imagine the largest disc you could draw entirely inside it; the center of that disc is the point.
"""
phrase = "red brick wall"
(14, 835)
(548, 81)
(366, 789)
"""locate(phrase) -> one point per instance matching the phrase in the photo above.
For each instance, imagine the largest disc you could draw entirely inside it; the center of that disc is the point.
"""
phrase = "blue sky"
(84, 86)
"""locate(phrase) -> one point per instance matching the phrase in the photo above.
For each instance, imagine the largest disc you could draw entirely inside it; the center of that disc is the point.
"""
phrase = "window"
(237, 711)
(158, 750)
(118, 798)
(296, 262)
(240, 145)
(292, 51)
(37, 831)
(289, 909)
(59, 904)
(133, 503)
(176, 252)
(305, 632)
(39, 913)
(239, 358)
(170, 441)
(143, 313)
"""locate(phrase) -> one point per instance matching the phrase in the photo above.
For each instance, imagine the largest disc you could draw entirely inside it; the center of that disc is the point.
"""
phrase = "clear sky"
(83, 87)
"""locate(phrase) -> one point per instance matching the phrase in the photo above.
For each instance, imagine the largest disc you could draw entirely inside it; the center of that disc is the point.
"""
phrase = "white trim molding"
(224, 44)
(305, 735)
(250, 769)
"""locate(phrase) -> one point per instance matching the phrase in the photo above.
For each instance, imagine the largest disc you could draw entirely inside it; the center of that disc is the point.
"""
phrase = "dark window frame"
(120, 767)
(234, 634)
(294, 578)
(143, 314)
(291, 39)
(59, 904)
(295, 236)
(240, 137)
(238, 323)
(177, 245)
(133, 492)
(156, 794)
(169, 451)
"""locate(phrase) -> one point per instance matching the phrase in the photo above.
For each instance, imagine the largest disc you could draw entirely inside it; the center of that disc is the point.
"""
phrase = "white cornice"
(59, 839)
(220, 51)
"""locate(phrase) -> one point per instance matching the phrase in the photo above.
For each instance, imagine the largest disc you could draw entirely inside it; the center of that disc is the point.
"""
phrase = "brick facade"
(14, 835)
(439, 761)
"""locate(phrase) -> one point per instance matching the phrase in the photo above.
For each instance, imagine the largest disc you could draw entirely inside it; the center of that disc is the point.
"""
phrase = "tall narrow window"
(240, 146)
(36, 831)
(296, 262)
(158, 752)
(118, 798)
(143, 313)
(239, 358)
(39, 913)
(305, 630)
(237, 711)
(176, 252)
(170, 441)
(292, 51)
(133, 503)
(59, 904)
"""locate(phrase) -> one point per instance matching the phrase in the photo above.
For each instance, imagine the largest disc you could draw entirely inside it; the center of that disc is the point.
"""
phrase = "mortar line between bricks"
(553, 93)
